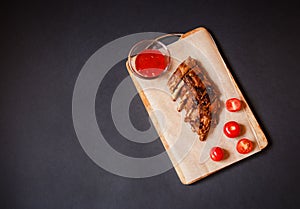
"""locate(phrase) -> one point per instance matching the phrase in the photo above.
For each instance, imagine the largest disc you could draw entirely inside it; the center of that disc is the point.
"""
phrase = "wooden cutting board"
(190, 156)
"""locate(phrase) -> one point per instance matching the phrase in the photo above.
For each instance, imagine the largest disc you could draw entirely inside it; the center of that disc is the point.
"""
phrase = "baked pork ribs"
(197, 96)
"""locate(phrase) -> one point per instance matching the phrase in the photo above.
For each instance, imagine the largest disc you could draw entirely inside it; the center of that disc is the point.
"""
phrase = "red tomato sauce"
(151, 63)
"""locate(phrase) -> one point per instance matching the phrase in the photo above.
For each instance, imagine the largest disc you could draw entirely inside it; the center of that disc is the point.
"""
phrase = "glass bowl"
(149, 59)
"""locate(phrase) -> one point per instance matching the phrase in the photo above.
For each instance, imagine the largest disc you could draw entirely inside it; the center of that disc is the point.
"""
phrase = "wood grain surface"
(190, 156)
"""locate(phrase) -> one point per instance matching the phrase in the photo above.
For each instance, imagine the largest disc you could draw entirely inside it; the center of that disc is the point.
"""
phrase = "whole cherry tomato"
(232, 129)
(233, 105)
(216, 153)
(244, 146)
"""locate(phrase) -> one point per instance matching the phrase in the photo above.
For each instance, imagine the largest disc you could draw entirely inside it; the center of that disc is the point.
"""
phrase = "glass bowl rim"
(167, 54)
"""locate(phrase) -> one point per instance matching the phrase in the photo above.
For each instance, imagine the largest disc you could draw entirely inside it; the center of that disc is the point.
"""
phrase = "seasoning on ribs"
(197, 96)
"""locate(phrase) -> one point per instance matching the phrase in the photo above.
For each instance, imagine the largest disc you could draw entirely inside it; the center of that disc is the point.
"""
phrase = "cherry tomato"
(216, 153)
(244, 146)
(233, 105)
(232, 129)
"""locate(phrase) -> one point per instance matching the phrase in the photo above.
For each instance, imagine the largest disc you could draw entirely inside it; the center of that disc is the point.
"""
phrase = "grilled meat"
(175, 82)
(192, 86)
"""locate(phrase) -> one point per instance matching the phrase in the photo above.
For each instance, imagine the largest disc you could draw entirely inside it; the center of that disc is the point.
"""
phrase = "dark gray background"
(43, 48)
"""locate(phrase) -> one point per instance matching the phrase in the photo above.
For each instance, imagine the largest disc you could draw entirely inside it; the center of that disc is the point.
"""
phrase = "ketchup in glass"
(151, 63)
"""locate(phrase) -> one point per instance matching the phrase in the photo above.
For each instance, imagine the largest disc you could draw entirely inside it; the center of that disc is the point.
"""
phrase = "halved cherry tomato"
(244, 146)
(232, 129)
(233, 105)
(216, 153)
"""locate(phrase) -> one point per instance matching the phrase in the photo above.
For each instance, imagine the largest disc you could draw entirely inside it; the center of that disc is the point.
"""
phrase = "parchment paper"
(189, 155)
